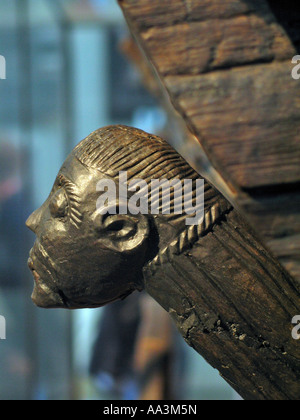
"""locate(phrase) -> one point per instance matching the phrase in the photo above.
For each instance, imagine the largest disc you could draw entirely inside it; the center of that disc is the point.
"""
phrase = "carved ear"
(121, 232)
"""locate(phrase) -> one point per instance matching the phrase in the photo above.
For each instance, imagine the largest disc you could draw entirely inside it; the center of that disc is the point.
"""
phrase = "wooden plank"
(199, 47)
(245, 125)
(147, 14)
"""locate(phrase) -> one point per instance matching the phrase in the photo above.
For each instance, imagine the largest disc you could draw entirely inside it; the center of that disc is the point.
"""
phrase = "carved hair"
(120, 148)
(74, 201)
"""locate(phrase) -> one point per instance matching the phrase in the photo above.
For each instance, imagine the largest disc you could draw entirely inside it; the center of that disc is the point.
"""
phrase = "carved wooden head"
(83, 257)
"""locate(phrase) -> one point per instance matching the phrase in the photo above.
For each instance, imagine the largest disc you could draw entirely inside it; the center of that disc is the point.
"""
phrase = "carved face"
(80, 258)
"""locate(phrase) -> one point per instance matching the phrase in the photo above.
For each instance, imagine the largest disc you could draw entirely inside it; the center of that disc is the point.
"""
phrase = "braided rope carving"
(190, 235)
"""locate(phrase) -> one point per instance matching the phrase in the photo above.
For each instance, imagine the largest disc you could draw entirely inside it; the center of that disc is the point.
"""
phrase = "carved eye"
(59, 204)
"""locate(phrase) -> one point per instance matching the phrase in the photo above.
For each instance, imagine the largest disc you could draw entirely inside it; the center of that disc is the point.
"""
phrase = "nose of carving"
(33, 220)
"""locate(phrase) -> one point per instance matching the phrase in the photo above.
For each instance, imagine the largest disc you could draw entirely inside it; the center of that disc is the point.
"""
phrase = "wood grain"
(233, 304)
(248, 126)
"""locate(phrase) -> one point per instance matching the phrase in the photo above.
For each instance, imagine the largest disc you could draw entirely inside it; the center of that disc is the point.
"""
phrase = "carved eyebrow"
(74, 200)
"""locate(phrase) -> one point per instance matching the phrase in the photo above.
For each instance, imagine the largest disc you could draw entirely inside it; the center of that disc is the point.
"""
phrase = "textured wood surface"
(233, 304)
(226, 65)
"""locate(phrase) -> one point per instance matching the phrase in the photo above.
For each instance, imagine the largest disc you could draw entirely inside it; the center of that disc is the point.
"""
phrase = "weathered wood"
(148, 14)
(283, 236)
(212, 45)
(226, 66)
(246, 121)
(233, 303)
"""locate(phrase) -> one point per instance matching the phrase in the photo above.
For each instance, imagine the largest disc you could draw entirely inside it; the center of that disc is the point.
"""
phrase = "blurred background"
(71, 68)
